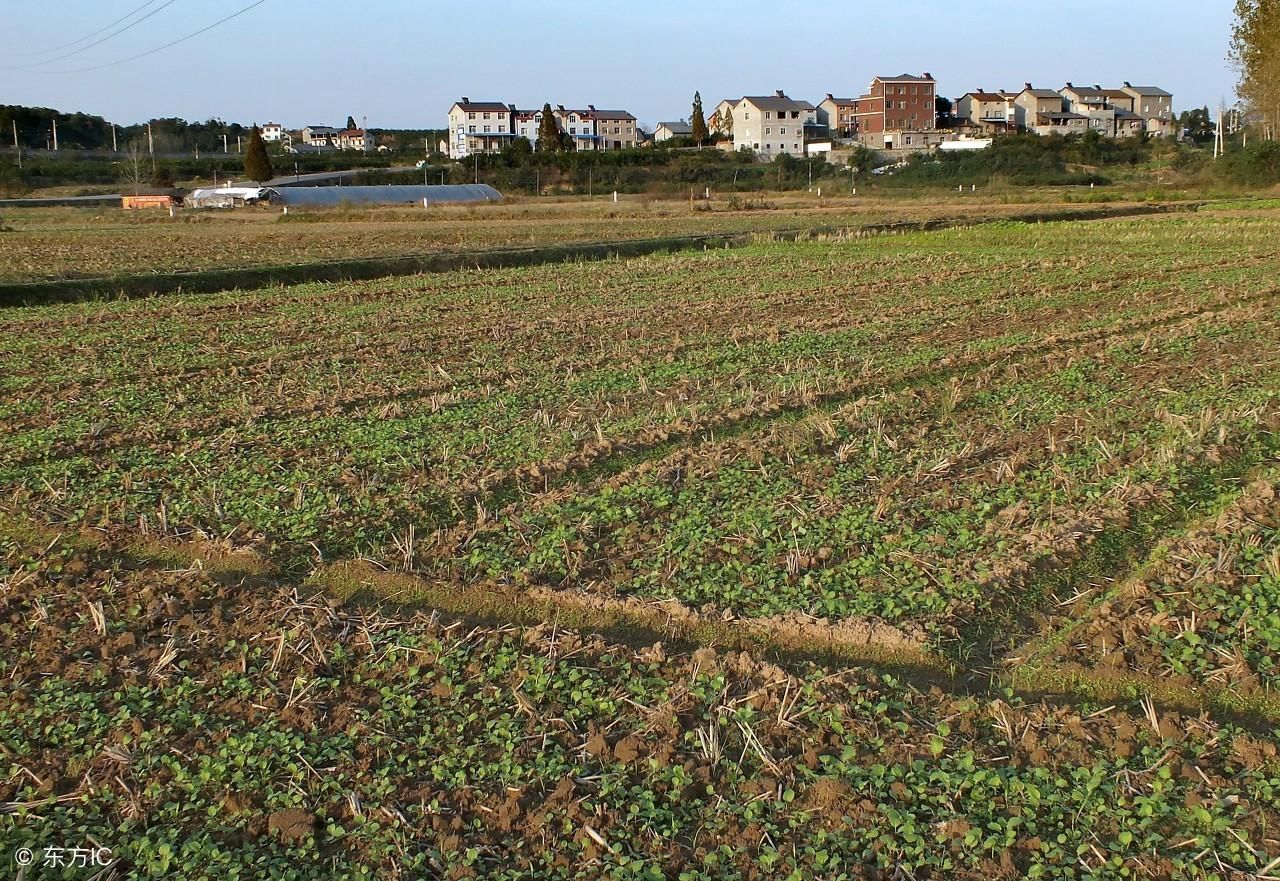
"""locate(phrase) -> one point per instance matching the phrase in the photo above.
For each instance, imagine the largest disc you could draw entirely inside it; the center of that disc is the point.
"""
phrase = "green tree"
(698, 122)
(257, 164)
(550, 138)
(1255, 52)
(351, 123)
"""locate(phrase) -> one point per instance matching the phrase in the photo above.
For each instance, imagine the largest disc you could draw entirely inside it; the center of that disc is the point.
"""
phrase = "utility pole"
(1219, 143)
(224, 142)
(16, 145)
(151, 148)
(114, 147)
(55, 134)
(477, 168)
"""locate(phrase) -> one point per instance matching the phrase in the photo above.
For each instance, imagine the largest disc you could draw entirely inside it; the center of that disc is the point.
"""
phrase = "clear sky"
(399, 64)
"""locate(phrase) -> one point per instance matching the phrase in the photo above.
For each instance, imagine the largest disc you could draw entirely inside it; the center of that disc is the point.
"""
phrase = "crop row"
(1204, 611)
(927, 505)
(202, 728)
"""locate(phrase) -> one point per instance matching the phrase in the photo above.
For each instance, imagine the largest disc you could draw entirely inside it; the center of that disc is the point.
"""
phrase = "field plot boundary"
(207, 281)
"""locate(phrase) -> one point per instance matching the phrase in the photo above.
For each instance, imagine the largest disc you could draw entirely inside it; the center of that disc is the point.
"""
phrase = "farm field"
(49, 243)
(938, 555)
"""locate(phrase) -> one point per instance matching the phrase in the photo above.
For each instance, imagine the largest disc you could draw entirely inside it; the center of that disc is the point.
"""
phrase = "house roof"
(677, 128)
(1149, 91)
(611, 114)
(838, 100)
(906, 78)
(1041, 93)
(777, 102)
(481, 106)
(986, 96)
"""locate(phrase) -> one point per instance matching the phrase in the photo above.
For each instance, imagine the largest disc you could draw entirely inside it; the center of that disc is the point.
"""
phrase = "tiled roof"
(775, 102)
(482, 106)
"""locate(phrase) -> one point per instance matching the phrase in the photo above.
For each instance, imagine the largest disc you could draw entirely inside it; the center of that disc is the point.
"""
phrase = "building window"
(472, 129)
(768, 131)
(782, 131)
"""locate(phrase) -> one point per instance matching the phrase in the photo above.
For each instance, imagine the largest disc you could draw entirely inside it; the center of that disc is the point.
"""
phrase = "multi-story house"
(771, 125)
(589, 129)
(1154, 106)
(273, 132)
(578, 125)
(319, 135)
(527, 123)
(1091, 103)
(837, 114)
(354, 139)
(615, 129)
(897, 111)
(990, 111)
(1032, 103)
(479, 127)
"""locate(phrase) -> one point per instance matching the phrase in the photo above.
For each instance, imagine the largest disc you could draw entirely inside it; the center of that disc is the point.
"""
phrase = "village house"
(668, 130)
(578, 125)
(1113, 112)
(772, 125)
(273, 132)
(615, 129)
(991, 112)
(837, 114)
(1032, 103)
(354, 139)
(487, 127)
(897, 112)
(479, 127)
(319, 135)
(1154, 106)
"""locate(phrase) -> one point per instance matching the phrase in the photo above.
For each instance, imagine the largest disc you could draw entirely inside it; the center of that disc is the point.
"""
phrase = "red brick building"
(902, 103)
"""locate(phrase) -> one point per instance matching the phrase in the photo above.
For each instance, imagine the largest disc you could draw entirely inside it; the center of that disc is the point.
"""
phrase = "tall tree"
(351, 123)
(726, 124)
(550, 139)
(1255, 52)
(134, 167)
(698, 122)
(257, 164)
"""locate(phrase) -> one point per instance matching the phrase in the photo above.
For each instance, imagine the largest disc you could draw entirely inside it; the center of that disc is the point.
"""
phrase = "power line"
(170, 44)
(87, 36)
(102, 40)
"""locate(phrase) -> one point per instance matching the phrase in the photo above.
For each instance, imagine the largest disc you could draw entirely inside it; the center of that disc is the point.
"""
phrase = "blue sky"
(400, 64)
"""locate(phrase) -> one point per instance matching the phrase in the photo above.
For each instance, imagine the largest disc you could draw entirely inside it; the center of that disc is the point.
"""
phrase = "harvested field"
(51, 244)
(935, 555)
